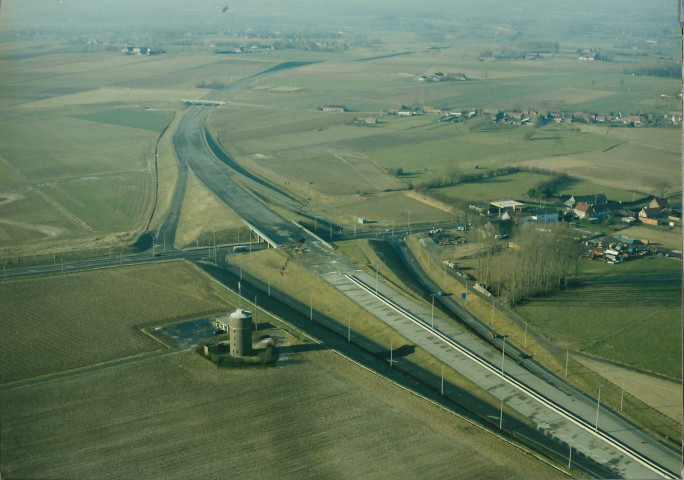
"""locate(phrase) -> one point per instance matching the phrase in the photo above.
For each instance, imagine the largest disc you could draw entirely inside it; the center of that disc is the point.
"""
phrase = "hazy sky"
(97, 15)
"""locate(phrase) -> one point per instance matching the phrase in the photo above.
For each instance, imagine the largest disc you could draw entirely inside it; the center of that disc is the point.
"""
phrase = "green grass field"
(62, 322)
(630, 313)
(107, 203)
(126, 117)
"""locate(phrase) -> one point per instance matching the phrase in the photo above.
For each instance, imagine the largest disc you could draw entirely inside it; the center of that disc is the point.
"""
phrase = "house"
(596, 199)
(334, 108)
(648, 212)
(405, 113)
(635, 120)
(583, 210)
(428, 109)
(545, 216)
(459, 77)
(660, 203)
(518, 216)
(602, 211)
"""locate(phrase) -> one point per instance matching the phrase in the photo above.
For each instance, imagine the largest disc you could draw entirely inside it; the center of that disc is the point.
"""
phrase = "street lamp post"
(349, 327)
(503, 353)
(432, 313)
(598, 404)
(525, 335)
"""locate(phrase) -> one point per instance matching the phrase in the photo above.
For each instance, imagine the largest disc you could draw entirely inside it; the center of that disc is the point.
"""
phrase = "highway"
(194, 154)
(551, 386)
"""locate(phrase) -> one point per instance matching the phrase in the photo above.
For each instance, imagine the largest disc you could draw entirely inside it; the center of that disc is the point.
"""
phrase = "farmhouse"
(660, 203)
(139, 51)
(583, 210)
(334, 108)
(648, 212)
(596, 199)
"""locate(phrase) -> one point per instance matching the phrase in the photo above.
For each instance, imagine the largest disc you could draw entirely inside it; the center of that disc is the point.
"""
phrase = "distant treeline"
(672, 70)
(214, 85)
(454, 176)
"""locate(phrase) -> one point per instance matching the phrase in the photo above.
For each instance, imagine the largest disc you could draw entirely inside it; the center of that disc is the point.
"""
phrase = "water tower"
(240, 324)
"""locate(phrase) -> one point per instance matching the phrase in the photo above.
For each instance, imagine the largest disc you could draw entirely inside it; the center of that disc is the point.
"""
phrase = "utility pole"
(567, 357)
(239, 294)
(444, 281)
(622, 395)
(269, 284)
(311, 309)
(525, 334)
(570, 454)
(501, 414)
(349, 327)
(256, 309)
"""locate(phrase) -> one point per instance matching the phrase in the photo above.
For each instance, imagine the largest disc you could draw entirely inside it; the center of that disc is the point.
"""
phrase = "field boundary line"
(393, 382)
(80, 224)
(50, 377)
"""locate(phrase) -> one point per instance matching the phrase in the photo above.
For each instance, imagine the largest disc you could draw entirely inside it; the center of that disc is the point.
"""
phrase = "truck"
(239, 248)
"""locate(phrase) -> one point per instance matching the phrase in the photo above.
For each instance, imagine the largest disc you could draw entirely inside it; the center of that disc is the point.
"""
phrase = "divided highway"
(195, 155)
(191, 148)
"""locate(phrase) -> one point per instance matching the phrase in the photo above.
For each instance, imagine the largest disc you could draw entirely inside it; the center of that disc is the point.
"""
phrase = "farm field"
(614, 309)
(663, 395)
(322, 416)
(79, 131)
(68, 321)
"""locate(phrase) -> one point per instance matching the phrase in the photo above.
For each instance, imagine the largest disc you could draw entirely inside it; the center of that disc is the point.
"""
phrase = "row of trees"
(543, 262)
(670, 70)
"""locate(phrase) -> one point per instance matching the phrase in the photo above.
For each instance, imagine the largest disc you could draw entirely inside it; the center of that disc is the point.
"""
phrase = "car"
(439, 293)
(525, 356)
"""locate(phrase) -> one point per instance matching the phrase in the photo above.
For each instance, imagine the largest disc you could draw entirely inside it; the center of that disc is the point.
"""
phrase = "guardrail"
(517, 384)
